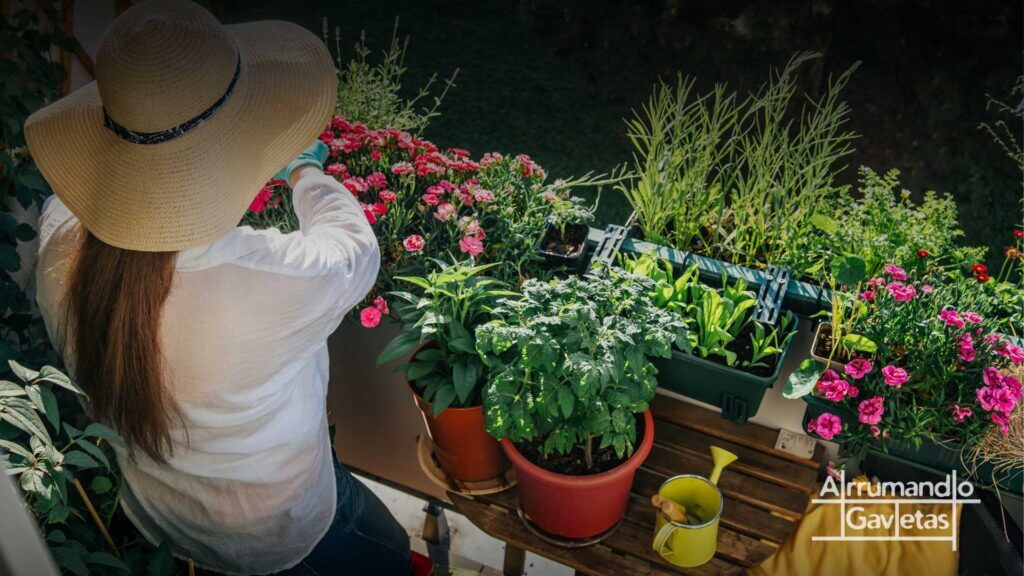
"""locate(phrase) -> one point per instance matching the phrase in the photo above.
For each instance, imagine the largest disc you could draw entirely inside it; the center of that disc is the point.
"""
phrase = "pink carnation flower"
(335, 168)
(973, 317)
(966, 348)
(996, 399)
(832, 386)
(992, 377)
(927, 289)
(868, 295)
(895, 376)
(370, 317)
(960, 413)
(377, 181)
(381, 304)
(1013, 352)
(901, 292)
(259, 203)
(871, 410)
(401, 169)
(413, 243)
(1001, 420)
(857, 368)
(827, 426)
(471, 245)
(895, 272)
(484, 196)
(951, 318)
(388, 196)
(445, 211)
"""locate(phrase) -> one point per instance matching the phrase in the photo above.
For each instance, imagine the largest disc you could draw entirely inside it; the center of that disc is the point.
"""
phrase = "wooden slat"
(751, 462)
(711, 423)
(737, 515)
(596, 560)
(736, 485)
(732, 546)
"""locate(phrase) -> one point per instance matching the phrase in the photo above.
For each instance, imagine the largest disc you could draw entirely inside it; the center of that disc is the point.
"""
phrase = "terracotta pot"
(577, 506)
(465, 450)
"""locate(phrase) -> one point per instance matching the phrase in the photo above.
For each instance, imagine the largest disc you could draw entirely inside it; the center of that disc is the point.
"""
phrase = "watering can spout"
(721, 459)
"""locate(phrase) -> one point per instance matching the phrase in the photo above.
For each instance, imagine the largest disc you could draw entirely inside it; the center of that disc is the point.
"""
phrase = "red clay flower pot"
(577, 506)
(465, 450)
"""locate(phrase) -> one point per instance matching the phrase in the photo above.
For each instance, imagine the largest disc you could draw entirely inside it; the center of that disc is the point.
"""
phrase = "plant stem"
(588, 451)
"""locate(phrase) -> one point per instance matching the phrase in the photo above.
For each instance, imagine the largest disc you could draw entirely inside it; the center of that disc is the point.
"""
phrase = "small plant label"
(795, 443)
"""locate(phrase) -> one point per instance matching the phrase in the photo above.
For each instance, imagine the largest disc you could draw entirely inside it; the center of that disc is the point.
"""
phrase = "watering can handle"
(661, 539)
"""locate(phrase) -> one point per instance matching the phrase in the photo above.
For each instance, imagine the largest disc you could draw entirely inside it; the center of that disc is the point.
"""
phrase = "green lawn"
(555, 79)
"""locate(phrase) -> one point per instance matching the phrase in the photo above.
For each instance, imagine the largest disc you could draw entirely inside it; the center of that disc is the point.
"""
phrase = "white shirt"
(244, 333)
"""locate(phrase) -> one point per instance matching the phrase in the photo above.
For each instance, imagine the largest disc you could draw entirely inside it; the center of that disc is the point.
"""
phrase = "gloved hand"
(315, 155)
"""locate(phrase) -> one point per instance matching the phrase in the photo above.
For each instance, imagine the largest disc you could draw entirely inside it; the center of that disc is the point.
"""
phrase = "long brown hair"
(114, 302)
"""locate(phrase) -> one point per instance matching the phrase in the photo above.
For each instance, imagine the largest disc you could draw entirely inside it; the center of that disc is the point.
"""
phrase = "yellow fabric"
(799, 555)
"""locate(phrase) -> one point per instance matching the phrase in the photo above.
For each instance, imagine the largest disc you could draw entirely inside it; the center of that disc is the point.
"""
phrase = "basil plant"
(568, 362)
(439, 320)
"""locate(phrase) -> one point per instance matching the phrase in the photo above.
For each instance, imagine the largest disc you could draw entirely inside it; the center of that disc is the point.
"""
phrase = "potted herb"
(565, 245)
(939, 378)
(445, 373)
(733, 359)
(567, 392)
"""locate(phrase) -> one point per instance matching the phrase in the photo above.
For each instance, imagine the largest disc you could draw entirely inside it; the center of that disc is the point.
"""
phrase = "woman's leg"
(364, 538)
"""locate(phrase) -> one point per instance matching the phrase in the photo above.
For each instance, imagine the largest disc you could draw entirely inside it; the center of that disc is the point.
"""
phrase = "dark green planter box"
(737, 393)
(801, 297)
(935, 457)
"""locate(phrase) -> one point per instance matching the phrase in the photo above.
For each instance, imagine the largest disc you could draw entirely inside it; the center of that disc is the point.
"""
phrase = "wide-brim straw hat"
(186, 121)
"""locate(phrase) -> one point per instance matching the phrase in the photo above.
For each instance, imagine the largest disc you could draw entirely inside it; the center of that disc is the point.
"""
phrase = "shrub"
(567, 363)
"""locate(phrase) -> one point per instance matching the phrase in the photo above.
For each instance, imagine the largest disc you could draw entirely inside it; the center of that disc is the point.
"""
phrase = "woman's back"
(243, 336)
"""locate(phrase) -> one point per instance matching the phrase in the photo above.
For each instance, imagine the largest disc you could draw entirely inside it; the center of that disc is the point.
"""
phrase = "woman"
(204, 344)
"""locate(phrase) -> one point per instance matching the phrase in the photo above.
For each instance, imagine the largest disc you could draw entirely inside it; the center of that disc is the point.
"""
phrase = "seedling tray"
(737, 393)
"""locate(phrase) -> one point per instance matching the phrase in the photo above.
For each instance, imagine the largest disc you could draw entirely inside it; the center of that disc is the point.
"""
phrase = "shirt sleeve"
(322, 270)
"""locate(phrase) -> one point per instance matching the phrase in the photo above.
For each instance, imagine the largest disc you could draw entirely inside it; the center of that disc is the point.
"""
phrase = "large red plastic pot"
(465, 450)
(577, 506)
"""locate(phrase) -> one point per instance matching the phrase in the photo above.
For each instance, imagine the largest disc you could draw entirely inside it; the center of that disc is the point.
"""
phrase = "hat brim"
(190, 190)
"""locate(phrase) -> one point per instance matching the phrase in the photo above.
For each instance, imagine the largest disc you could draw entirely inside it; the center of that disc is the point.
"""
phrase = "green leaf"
(11, 389)
(106, 559)
(860, 343)
(54, 376)
(849, 270)
(464, 345)
(442, 399)
(101, 485)
(465, 374)
(803, 380)
(69, 559)
(97, 430)
(824, 223)
(22, 414)
(416, 370)
(566, 401)
(80, 460)
(402, 345)
(94, 451)
(20, 371)
(161, 563)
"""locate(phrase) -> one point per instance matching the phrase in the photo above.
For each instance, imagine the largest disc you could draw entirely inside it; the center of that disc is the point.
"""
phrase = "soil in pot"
(575, 463)
(568, 243)
(824, 345)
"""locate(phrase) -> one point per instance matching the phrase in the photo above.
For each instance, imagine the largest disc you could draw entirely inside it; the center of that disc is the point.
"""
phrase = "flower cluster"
(925, 368)
(426, 203)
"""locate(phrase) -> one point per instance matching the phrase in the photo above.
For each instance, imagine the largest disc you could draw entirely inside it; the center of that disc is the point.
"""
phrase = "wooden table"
(766, 492)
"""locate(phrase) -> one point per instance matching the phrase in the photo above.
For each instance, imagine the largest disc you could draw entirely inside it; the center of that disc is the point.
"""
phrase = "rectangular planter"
(801, 297)
(940, 458)
(737, 393)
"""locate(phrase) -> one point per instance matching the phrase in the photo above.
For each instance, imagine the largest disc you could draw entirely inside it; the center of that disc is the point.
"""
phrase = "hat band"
(172, 133)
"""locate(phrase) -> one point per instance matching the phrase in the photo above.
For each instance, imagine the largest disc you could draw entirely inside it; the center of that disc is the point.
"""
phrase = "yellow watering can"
(690, 537)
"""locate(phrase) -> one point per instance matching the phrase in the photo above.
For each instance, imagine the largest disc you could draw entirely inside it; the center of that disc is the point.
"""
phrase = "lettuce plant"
(446, 369)
(718, 317)
(568, 362)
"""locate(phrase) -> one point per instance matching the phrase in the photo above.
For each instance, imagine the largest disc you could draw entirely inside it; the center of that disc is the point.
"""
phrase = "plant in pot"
(939, 378)
(445, 373)
(734, 358)
(567, 392)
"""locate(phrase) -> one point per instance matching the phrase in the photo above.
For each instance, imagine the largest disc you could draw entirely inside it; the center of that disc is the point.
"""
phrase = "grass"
(556, 79)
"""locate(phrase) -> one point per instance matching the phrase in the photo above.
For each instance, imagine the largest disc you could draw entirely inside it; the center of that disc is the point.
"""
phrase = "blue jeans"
(363, 539)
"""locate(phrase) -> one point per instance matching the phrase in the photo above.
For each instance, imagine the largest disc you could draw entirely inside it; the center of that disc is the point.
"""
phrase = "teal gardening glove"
(315, 156)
